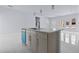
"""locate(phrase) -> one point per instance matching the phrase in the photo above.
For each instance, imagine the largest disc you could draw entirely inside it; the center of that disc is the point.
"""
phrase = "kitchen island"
(44, 41)
(58, 41)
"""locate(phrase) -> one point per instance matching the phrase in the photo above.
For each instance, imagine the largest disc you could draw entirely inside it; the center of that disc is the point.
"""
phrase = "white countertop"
(44, 30)
(47, 30)
(72, 30)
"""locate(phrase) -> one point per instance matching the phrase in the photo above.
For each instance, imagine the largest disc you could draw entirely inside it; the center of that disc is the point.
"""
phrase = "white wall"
(11, 22)
(60, 12)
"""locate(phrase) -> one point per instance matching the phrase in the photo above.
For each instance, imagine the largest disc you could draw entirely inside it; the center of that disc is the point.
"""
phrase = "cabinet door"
(53, 42)
(42, 42)
(33, 42)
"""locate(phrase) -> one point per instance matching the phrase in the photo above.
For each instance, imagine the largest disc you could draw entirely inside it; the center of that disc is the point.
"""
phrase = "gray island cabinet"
(44, 41)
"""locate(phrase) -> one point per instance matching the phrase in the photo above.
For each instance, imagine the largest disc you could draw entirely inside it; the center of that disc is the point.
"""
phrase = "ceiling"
(46, 9)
